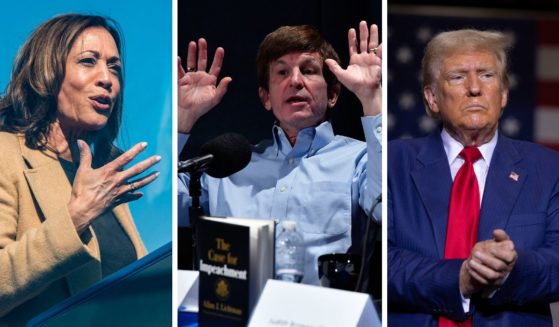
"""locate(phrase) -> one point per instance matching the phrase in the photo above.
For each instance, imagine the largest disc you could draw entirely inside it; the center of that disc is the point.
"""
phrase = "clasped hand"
(488, 265)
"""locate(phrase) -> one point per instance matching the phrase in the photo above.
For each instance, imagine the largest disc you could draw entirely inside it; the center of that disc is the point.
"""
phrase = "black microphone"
(220, 157)
(195, 164)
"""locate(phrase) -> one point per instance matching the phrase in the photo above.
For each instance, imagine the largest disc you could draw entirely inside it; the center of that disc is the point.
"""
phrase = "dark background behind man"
(239, 27)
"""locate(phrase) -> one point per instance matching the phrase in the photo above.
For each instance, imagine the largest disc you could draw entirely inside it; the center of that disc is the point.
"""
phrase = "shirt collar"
(452, 147)
(309, 140)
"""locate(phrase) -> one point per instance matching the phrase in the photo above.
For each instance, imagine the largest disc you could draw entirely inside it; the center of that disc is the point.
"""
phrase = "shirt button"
(282, 188)
(379, 129)
(290, 161)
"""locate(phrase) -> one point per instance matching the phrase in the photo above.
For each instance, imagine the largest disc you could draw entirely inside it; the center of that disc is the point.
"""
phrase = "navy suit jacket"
(421, 284)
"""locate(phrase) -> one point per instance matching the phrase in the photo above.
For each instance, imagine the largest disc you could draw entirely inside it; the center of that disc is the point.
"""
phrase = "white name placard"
(297, 305)
(187, 290)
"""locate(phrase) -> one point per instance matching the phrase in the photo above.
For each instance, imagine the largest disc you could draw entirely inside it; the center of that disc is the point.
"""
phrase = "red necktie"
(463, 217)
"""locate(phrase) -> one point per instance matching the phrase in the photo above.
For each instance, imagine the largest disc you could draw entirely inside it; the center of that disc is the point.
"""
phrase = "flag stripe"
(547, 125)
(548, 94)
(546, 120)
(548, 32)
(548, 69)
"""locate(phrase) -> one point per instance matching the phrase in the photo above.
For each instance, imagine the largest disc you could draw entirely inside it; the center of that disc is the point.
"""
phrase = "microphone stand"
(195, 211)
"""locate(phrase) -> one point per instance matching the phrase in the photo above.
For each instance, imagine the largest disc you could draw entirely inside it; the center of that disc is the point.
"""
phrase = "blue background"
(146, 26)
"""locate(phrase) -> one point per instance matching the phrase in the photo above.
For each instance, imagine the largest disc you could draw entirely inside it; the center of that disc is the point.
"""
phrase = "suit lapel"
(434, 182)
(47, 181)
(51, 189)
(505, 178)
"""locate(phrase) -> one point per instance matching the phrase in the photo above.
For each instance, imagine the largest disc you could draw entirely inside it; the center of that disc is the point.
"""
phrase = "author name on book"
(223, 307)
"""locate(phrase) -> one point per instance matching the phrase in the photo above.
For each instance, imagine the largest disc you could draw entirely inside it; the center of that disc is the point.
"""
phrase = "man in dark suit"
(473, 216)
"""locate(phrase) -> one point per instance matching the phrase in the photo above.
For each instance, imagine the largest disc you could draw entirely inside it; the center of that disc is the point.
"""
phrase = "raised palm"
(364, 72)
(198, 90)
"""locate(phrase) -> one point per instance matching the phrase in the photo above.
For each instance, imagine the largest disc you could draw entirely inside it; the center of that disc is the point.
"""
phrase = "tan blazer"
(42, 258)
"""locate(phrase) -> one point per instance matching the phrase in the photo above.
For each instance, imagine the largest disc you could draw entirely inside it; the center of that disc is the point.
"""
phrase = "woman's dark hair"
(30, 103)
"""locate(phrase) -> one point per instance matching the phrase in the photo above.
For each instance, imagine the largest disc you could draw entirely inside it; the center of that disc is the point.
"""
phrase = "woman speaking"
(64, 221)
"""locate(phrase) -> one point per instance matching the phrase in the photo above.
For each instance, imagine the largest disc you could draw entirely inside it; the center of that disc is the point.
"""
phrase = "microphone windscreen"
(231, 153)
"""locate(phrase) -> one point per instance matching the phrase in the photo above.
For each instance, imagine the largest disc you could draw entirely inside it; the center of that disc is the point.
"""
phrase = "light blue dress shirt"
(321, 182)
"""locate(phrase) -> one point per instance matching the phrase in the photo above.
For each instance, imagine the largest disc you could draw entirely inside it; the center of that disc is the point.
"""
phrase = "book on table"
(236, 257)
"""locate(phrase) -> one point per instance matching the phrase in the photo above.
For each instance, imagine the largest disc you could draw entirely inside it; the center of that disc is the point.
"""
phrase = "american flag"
(532, 112)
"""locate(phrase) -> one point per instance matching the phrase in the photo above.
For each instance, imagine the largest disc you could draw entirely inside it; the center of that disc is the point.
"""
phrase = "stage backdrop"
(532, 112)
(146, 26)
